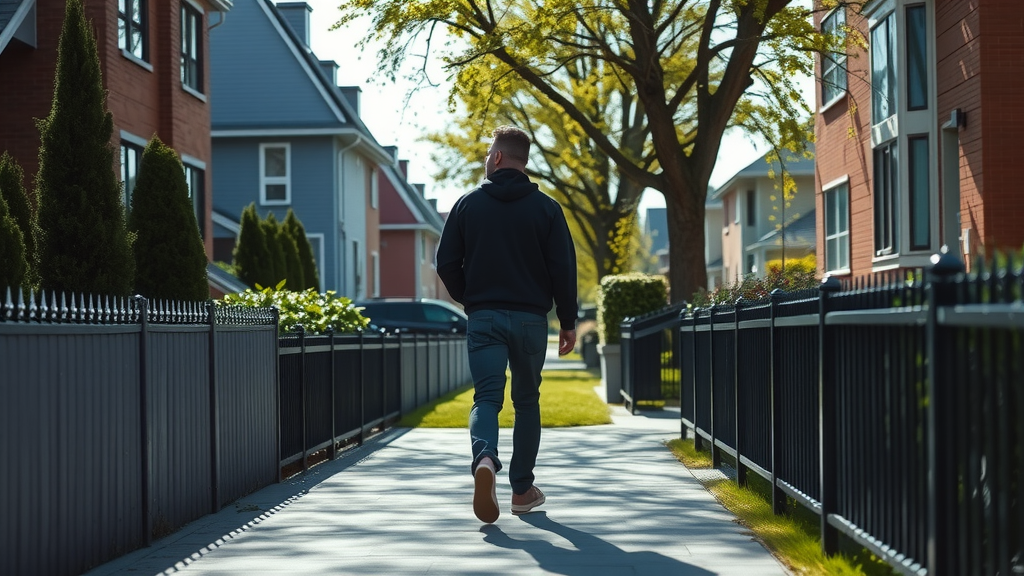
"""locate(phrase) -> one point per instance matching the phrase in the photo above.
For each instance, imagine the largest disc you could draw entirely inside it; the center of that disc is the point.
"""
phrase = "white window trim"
(375, 256)
(202, 23)
(833, 185)
(903, 124)
(842, 93)
(269, 180)
(374, 189)
(319, 236)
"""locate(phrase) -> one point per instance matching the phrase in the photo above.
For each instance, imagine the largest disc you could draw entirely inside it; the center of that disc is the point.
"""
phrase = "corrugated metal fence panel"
(70, 488)
(247, 399)
(433, 369)
(393, 377)
(290, 408)
(178, 394)
(319, 381)
(373, 379)
(409, 375)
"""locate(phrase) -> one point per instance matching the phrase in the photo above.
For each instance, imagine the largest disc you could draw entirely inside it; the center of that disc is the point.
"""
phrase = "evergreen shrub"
(170, 258)
(622, 296)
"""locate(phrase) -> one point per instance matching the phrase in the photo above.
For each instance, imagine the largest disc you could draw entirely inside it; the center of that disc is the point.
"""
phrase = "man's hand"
(566, 341)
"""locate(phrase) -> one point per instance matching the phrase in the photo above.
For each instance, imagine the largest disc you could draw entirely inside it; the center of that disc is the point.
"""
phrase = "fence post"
(741, 470)
(942, 483)
(302, 393)
(362, 386)
(716, 454)
(778, 496)
(211, 318)
(276, 335)
(334, 429)
(383, 377)
(627, 385)
(827, 416)
(147, 517)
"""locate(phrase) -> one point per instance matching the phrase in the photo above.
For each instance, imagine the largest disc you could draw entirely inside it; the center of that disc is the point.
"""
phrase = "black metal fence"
(121, 420)
(650, 358)
(337, 388)
(890, 407)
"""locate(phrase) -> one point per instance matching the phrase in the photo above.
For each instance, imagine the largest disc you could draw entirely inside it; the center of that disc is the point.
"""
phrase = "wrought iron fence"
(889, 406)
(121, 419)
(650, 361)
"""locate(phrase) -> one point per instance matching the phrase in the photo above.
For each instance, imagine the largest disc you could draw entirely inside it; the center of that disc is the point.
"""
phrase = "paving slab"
(618, 503)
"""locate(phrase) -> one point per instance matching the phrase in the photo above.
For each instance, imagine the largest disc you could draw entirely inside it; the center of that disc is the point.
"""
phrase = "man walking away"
(506, 254)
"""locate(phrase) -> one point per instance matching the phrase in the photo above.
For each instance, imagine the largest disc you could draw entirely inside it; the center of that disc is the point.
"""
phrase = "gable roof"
(326, 113)
(13, 14)
(796, 165)
(798, 233)
(425, 214)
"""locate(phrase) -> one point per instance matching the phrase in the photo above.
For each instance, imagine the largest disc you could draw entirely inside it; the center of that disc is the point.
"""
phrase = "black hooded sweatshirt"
(506, 246)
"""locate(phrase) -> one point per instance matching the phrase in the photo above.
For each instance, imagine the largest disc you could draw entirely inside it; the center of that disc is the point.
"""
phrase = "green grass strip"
(792, 537)
(567, 398)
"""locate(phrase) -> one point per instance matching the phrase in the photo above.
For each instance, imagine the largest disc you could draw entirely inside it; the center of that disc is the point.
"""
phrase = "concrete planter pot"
(611, 371)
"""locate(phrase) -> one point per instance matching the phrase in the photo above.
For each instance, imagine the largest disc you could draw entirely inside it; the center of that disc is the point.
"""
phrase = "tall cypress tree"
(12, 251)
(278, 263)
(298, 233)
(295, 279)
(251, 256)
(170, 260)
(83, 242)
(12, 189)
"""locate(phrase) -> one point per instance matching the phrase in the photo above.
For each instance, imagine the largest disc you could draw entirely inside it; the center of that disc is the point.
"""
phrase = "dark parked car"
(414, 315)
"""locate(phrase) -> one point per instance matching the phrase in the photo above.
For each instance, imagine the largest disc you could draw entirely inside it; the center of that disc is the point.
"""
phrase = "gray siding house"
(286, 136)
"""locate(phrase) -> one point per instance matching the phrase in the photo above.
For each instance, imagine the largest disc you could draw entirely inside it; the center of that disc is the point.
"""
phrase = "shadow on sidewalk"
(589, 555)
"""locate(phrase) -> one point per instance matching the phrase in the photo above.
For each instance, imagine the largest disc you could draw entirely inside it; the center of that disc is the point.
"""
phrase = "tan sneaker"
(523, 503)
(485, 499)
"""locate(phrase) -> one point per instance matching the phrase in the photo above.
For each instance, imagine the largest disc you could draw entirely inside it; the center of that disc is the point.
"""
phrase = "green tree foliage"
(170, 259)
(12, 189)
(278, 261)
(306, 258)
(83, 242)
(697, 67)
(251, 257)
(12, 251)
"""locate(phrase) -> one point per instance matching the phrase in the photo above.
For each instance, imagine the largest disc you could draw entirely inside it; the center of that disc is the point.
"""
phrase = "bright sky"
(395, 118)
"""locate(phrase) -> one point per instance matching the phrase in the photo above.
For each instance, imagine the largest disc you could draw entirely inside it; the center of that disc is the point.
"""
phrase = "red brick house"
(153, 57)
(918, 137)
(410, 228)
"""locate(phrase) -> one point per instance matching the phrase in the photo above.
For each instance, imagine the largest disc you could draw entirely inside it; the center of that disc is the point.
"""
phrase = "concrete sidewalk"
(618, 503)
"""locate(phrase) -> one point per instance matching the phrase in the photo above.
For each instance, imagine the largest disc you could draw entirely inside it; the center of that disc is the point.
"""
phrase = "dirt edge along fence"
(889, 406)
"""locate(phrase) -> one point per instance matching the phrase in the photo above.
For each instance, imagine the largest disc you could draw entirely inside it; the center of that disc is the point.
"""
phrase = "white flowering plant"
(315, 311)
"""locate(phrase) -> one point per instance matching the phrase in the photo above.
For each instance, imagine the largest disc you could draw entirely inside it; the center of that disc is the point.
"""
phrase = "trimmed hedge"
(622, 296)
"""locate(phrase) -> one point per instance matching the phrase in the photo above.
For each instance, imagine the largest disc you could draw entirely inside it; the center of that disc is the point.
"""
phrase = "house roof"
(345, 118)
(426, 215)
(796, 165)
(798, 233)
(223, 281)
(12, 16)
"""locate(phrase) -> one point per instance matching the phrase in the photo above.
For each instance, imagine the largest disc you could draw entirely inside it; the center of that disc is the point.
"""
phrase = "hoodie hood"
(508, 185)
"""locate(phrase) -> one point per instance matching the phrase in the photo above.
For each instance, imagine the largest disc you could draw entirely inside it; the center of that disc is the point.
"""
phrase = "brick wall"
(142, 102)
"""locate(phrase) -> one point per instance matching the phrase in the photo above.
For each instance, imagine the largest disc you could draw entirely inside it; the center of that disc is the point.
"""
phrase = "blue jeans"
(500, 339)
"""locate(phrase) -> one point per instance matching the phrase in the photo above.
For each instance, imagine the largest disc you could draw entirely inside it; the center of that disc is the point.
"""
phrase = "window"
(751, 264)
(883, 70)
(375, 262)
(917, 58)
(191, 47)
(316, 245)
(195, 179)
(837, 228)
(357, 277)
(750, 208)
(920, 205)
(275, 174)
(833, 65)
(131, 156)
(132, 24)
(371, 186)
(886, 181)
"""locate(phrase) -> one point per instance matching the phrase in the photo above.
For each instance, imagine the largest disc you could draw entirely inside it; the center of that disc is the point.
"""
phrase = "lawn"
(567, 398)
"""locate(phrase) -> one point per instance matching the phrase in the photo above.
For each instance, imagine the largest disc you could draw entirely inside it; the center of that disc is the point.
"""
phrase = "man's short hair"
(512, 141)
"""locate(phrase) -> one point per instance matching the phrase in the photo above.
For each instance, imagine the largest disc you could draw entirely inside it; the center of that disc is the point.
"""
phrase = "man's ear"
(497, 157)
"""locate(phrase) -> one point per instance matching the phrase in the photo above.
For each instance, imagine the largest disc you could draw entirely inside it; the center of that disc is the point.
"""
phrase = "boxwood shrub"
(622, 296)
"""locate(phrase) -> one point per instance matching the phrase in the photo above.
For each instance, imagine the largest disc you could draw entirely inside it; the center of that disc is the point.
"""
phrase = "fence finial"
(946, 263)
(830, 284)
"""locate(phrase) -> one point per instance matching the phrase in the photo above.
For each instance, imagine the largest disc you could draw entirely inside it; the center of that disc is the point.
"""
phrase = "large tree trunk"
(687, 270)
